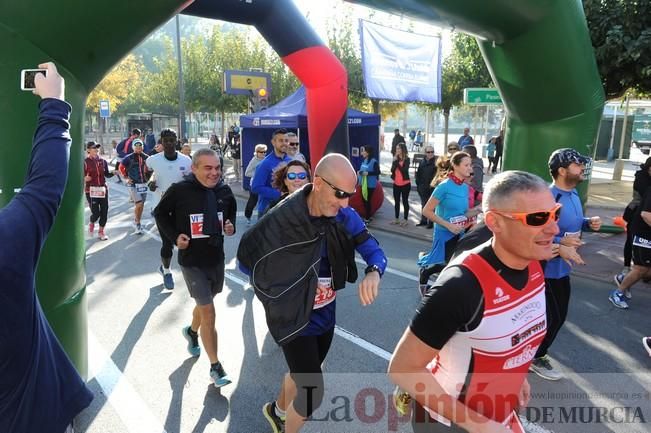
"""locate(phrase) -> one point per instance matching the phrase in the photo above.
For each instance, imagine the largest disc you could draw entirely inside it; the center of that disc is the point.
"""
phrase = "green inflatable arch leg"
(85, 38)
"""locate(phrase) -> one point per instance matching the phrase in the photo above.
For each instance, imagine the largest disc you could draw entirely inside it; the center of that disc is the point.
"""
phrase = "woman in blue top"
(448, 209)
(368, 174)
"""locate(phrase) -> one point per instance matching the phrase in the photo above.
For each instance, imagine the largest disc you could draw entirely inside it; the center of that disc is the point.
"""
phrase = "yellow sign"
(249, 82)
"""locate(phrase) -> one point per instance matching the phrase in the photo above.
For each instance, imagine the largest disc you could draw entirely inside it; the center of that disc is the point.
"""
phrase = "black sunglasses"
(340, 194)
(293, 144)
(293, 176)
(429, 151)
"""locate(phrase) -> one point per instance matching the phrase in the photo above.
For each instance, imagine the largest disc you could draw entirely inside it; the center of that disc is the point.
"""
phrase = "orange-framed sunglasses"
(533, 219)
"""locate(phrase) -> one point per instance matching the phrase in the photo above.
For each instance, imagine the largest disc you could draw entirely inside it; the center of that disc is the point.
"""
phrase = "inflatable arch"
(538, 53)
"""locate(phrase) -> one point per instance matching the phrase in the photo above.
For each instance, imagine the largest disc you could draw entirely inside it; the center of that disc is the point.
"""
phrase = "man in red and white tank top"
(466, 354)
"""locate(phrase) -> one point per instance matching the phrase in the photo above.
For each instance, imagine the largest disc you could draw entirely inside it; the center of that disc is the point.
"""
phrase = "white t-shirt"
(168, 172)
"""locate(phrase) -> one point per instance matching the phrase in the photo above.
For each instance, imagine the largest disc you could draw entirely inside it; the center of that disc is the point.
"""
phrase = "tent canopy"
(291, 112)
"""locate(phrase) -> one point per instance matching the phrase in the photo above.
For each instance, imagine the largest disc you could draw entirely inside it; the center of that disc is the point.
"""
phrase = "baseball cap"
(137, 142)
(564, 157)
(93, 145)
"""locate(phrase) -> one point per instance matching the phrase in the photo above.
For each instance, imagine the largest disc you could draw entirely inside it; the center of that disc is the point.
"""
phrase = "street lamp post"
(179, 58)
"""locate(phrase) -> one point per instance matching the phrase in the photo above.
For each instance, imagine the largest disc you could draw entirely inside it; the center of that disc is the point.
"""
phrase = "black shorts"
(642, 256)
(204, 283)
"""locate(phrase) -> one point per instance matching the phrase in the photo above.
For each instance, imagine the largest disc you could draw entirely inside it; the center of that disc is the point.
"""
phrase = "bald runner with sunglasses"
(298, 256)
(466, 354)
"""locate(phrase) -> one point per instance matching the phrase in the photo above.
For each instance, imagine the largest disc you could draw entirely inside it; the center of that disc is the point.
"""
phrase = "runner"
(197, 212)
(134, 168)
(96, 172)
(302, 319)
(169, 167)
(466, 354)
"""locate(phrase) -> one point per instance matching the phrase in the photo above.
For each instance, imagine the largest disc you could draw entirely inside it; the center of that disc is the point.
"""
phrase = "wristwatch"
(372, 268)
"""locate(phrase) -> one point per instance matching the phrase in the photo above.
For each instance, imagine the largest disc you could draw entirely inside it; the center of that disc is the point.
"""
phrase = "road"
(144, 380)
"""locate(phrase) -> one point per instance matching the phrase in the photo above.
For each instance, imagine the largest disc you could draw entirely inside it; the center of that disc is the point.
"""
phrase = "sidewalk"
(603, 252)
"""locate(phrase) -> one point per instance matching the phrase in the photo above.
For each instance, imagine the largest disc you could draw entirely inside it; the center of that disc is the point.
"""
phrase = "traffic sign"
(104, 108)
(481, 96)
(244, 82)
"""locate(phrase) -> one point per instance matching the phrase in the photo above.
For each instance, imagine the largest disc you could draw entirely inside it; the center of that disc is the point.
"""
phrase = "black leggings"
(557, 299)
(98, 209)
(398, 192)
(250, 205)
(304, 356)
(367, 203)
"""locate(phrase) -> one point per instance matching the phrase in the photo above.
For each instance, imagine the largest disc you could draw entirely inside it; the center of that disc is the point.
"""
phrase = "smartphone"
(27, 78)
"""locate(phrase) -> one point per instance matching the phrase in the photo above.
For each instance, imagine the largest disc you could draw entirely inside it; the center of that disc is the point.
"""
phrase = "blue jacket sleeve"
(369, 249)
(259, 185)
(27, 219)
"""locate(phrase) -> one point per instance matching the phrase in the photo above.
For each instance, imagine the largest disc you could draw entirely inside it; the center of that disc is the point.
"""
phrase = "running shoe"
(168, 279)
(646, 342)
(138, 229)
(617, 299)
(618, 281)
(218, 375)
(193, 341)
(277, 423)
(402, 401)
(102, 236)
(544, 368)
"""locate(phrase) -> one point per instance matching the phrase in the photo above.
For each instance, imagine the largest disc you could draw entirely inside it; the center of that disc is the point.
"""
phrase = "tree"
(621, 36)
(117, 85)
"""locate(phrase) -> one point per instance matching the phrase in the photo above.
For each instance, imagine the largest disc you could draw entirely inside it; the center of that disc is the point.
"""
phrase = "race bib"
(324, 297)
(141, 188)
(97, 191)
(641, 242)
(460, 220)
(196, 225)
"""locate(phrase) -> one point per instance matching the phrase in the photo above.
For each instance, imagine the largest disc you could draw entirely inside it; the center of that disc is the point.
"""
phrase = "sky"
(320, 12)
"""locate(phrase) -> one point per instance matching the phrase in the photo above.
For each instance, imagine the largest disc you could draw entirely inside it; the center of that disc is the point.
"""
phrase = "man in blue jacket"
(264, 171)
(567, 167)
(40, 390)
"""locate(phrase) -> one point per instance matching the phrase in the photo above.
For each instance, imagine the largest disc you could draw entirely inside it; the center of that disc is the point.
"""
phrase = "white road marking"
(392, 271)
(133, 411)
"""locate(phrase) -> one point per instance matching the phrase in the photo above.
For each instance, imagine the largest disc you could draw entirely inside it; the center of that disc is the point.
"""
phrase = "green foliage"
(464, 67)
(621, 36)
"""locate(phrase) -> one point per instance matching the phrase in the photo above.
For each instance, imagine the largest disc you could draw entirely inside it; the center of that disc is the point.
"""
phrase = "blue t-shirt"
(40, 390)
(571, 223)
(323, 318)
(453, 200)
(262, 178)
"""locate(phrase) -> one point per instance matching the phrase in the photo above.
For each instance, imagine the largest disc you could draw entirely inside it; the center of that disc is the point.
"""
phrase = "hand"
(555, 251)
(182, 241)
(595, 223)
(129, 182)
(50, 86)
(229, 229)
(570, 255)
(454, 228)
(571, 241)
(368, 288)
(87, 178)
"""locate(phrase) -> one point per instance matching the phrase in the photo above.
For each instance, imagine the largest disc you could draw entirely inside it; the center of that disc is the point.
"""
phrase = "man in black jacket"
(197, 212)
(424, 176)
(298, 256)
